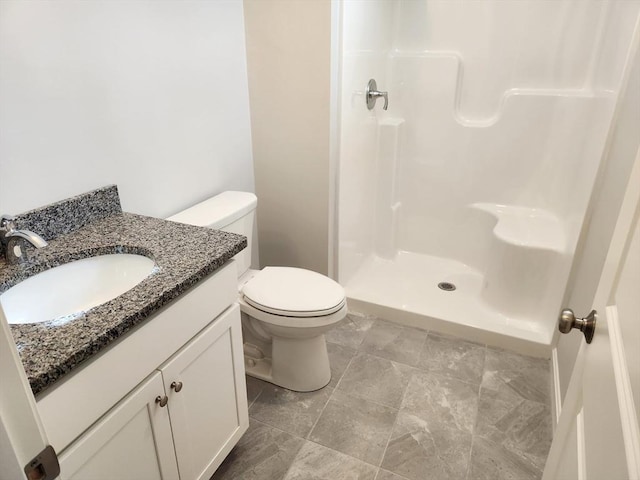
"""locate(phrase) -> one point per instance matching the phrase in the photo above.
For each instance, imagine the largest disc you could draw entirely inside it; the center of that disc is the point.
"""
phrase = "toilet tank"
(230, 212)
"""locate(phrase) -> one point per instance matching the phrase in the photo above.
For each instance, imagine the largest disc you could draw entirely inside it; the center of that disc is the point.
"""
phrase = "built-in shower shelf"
(391, 121)
(526, 227)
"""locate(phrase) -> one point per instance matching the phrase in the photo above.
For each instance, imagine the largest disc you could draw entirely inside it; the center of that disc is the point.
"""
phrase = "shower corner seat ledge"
(526, 227)
(391, 121)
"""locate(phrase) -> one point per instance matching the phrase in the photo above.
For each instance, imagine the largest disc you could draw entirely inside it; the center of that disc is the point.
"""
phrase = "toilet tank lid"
(219, 211)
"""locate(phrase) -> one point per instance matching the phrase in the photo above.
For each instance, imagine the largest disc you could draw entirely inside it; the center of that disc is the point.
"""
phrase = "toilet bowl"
(285, 311)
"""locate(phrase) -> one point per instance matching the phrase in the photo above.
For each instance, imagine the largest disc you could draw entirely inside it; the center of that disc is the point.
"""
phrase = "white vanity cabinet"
(185, 416)
(204, 416)
(133, 441)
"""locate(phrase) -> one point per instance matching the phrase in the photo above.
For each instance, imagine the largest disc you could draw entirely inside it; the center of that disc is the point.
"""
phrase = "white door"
(598, 436)
(22, 436)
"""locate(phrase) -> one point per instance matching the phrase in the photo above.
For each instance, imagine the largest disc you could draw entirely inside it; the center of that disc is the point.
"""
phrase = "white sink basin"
(74, 287)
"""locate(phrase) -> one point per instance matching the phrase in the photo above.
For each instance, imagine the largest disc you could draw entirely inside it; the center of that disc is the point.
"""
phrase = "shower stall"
(460, 207)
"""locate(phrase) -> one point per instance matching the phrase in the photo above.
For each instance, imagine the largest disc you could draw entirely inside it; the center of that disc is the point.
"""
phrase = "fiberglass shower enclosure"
(480, 172)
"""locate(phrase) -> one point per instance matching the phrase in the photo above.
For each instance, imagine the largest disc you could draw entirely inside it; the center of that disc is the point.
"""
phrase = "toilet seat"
(293, 292)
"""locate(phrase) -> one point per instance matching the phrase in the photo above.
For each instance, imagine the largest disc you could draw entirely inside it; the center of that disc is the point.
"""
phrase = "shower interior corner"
(477, 205)
(432, 257)
(462, 181)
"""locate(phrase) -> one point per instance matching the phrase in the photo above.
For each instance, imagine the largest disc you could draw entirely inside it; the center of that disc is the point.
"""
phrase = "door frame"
(22, 434)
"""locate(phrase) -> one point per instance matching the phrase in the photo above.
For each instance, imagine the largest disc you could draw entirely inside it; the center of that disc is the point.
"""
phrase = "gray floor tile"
(293, 412)
(453, 357)
(418, 450)
(376, 379)
(315, 462)
(526, 377)
(263, 453)
(254, 388)
(447, 425)
(339, 358)
(384, 475)
(355, 426)
(442, 402)
(491, 461)
(394, 342)
(351, 331)
(520, 426)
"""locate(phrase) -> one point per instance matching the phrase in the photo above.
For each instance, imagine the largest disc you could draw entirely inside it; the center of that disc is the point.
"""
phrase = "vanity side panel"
(75, 403)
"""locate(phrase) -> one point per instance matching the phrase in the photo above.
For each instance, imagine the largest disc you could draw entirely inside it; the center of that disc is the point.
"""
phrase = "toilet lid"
(293, 292)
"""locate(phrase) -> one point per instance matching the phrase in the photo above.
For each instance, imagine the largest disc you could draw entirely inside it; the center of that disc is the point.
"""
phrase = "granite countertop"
(183, 255)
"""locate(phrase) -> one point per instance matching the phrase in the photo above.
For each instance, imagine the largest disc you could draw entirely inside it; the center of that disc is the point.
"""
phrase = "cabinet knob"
(176, 386)
(162, 400)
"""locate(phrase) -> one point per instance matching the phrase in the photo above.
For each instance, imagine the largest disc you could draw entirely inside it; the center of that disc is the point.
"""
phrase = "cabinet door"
(132, 442)
(209, 413)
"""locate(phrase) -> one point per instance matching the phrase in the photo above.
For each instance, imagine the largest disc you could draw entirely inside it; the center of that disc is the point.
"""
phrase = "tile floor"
(403, 404)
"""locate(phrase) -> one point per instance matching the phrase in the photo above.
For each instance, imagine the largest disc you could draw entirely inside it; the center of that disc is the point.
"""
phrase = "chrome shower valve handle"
(372, 94)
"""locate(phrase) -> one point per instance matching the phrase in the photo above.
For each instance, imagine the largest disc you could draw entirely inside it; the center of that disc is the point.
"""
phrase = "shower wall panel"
(526, 156)
(498, 118)
(366, 43)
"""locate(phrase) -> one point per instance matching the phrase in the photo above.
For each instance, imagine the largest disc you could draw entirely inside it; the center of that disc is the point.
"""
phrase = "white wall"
(151, 96)
(288, 55)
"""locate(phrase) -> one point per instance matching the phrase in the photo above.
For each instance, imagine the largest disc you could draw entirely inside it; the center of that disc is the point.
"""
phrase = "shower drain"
(446, 286)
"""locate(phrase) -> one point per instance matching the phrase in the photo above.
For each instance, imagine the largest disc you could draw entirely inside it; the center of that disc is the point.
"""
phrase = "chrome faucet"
(10, 238)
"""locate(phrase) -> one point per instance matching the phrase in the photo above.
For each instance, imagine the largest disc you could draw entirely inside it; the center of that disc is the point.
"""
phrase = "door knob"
(587, 325)
(176, 386)
(162, 400)
(371, 94)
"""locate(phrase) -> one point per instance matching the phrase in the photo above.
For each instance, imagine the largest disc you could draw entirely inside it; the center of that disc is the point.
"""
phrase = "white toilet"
(285, 311)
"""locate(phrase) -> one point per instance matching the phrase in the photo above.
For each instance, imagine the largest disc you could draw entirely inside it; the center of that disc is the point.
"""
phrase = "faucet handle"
(371, 94)
(7, 222)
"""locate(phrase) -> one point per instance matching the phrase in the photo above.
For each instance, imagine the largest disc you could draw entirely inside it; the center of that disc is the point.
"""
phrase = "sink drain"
(446, 286)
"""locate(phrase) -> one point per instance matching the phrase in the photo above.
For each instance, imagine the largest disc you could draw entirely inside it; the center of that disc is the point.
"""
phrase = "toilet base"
(258, 368)
(301, 365)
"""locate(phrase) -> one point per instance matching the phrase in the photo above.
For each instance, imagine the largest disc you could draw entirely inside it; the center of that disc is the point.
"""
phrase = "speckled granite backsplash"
(93, 224)
(68, 215)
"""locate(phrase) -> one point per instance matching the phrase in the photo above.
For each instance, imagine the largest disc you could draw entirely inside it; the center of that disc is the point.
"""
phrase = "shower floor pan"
(405, 290)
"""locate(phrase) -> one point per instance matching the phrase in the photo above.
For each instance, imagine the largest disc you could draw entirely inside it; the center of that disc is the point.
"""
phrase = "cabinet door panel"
(209, 414)
(133, 441)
